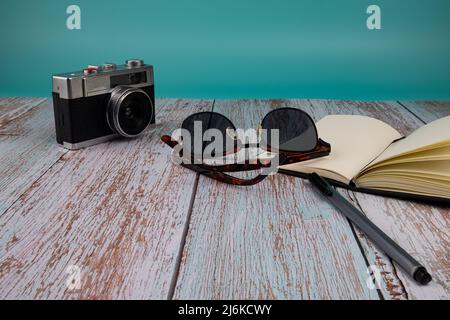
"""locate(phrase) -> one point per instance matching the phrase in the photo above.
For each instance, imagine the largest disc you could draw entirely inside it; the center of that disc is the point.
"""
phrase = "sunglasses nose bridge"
(231, 133)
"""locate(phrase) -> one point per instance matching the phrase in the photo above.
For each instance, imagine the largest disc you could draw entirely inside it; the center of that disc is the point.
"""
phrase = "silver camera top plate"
(95, 80)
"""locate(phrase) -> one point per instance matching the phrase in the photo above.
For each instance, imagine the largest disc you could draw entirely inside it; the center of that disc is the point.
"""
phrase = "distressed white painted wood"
(422, 230)
(27, 148)
(235, 269)
(13, 107)
(381, 267)
(428, 110)
(116, 211)
(274, 240)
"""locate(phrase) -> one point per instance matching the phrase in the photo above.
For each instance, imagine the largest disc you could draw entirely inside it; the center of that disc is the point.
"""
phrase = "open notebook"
(369, 155)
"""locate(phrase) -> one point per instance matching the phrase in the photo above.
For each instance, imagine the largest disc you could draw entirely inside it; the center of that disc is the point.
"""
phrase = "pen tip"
(422, 276)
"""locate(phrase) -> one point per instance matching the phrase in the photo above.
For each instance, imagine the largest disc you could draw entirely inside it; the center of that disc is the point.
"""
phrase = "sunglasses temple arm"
(324, 144)
(225, 178)
(322, 149)
(169, 141)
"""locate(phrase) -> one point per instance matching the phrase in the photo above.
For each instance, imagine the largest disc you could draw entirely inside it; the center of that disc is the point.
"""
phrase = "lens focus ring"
(129, 111)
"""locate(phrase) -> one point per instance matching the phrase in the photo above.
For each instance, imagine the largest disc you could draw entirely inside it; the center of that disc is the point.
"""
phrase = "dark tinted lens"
(205, 128)
(297, 131)
(134, 113)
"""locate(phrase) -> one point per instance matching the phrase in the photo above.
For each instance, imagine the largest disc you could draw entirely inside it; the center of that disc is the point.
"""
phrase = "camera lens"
(129, 111)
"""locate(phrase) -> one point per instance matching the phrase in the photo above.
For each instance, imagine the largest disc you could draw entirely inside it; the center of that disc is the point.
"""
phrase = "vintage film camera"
(99, 103)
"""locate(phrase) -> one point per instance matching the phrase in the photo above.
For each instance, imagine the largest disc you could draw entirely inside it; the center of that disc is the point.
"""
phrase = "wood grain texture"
(428, 110)
(11, 108)
(390, 285)
(274, 240)
(116, 211)
(422, 230)
(228, 268)
(27, 149)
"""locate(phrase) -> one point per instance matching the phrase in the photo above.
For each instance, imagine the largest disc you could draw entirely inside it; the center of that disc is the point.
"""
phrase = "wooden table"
(134, 225)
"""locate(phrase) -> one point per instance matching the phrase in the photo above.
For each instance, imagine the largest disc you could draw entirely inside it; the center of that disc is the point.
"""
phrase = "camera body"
(100, 103)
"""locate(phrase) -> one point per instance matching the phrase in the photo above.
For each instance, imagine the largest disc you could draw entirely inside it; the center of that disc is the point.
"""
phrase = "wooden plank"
(115, 212)
(275, 240)
(421, 229)
(11, 108)
(27, 150)
(428, 110)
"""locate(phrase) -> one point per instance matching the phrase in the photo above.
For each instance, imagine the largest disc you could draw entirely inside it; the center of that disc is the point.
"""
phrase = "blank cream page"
(355, 141)
(434, 134)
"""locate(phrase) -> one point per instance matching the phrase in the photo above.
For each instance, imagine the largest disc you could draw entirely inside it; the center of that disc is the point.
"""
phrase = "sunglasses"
(289, 133)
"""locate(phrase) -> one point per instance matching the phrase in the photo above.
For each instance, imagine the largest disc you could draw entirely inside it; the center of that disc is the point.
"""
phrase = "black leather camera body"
(100, 103)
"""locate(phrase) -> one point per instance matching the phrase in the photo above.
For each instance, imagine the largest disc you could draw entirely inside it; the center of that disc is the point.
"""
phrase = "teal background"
(247, 48)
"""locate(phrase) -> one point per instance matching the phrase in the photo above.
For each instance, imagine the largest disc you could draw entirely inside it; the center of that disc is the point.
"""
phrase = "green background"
(257, 48)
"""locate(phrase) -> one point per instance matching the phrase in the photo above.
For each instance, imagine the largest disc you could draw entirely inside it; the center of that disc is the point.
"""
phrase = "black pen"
(378, 237)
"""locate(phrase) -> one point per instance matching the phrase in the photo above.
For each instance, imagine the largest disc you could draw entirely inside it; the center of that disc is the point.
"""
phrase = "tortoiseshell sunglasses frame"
(217, 172)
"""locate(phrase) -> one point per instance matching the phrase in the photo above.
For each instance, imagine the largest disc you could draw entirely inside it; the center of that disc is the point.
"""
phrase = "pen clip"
(321, 184)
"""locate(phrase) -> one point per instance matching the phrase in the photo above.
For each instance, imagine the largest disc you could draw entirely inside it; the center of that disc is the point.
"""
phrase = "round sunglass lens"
(209, 131)
(296, 130)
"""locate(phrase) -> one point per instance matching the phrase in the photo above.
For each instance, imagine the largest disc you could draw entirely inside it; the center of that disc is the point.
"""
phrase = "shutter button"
(109, 66)
(134, 63)
(90, 70)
